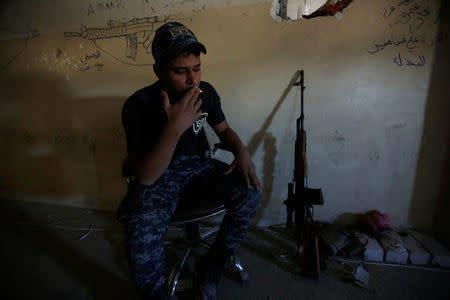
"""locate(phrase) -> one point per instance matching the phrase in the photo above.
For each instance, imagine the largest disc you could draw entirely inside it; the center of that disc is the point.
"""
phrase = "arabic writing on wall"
(408, 21)
(89, 62)
(101, 6)
(73, 140)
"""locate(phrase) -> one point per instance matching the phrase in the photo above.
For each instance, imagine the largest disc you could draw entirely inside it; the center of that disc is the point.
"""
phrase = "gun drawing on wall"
(7, 35)
(136, 31)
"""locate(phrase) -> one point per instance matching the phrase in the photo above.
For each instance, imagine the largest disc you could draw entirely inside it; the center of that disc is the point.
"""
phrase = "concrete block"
(394, 250)
(333, 238)
(417, 254)
(439, 254)
(373, 250)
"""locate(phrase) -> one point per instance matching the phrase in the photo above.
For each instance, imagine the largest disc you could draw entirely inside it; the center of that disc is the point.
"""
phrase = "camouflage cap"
(171, 39)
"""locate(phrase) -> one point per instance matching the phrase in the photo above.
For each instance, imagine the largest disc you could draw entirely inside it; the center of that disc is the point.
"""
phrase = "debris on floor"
(355, 274)
(370, 237)
(394, 250)
(417, 254)
(440, 254)
(361, 277)
(372, 250)
(333, 238)
(278, 253)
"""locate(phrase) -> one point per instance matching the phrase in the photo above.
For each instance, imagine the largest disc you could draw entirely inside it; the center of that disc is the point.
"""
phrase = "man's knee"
(246, 201)
(148, 224)
(253, 200)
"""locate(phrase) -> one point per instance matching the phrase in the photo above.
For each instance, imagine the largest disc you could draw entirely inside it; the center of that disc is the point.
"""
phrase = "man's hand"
(184, 112)
(246, 167)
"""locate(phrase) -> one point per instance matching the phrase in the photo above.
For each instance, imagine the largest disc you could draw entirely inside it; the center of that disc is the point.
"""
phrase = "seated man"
(166, 156)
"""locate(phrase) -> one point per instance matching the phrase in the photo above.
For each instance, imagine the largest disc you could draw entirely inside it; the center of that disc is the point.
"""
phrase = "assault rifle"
(143, 26)
(299, 202)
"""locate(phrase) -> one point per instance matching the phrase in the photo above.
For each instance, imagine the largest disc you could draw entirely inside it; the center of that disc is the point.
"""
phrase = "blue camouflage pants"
(146, 212)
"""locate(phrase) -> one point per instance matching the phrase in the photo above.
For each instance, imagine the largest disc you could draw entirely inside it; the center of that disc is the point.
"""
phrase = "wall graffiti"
(8, 36)
(137, 34)
(90, 61)
(101, 6)
(407, 21)
(70, 141)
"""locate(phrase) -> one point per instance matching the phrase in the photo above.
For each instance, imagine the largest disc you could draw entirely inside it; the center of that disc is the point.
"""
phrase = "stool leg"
(205, 244)
(176, 271)
(209, 232)
(235, 265)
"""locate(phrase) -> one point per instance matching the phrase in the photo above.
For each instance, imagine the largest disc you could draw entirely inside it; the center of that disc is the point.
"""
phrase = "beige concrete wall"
(365, 102)
(55, 16)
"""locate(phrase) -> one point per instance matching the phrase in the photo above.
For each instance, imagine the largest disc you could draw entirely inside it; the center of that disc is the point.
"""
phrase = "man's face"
(180, 74)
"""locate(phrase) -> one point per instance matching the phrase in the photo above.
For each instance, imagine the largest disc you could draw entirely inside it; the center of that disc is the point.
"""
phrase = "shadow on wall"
(431, 188)
(57, 148)
(270, 150)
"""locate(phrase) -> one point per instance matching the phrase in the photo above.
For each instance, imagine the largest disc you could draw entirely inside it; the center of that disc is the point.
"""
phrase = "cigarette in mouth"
(200, 91)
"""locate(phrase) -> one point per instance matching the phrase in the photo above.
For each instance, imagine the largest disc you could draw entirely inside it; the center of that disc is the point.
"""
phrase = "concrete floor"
(47, 255)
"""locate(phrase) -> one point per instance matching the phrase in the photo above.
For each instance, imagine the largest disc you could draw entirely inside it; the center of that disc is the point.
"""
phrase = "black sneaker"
(160, 294)
(206, 289)
(208, 273)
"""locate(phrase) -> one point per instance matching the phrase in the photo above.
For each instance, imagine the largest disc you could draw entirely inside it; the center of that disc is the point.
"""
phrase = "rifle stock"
(300, 162)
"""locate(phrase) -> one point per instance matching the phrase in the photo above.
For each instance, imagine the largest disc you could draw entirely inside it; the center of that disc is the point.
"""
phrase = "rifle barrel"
(302, 88)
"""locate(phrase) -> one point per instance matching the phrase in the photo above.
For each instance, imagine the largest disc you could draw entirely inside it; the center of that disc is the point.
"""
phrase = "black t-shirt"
(143, 119)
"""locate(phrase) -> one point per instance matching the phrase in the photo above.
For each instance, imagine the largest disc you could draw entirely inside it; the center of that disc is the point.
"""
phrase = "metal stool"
(189, 216)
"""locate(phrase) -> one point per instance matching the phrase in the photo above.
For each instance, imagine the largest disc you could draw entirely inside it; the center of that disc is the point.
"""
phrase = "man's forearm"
(231, 141)
(149, 166)
(242, 160)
